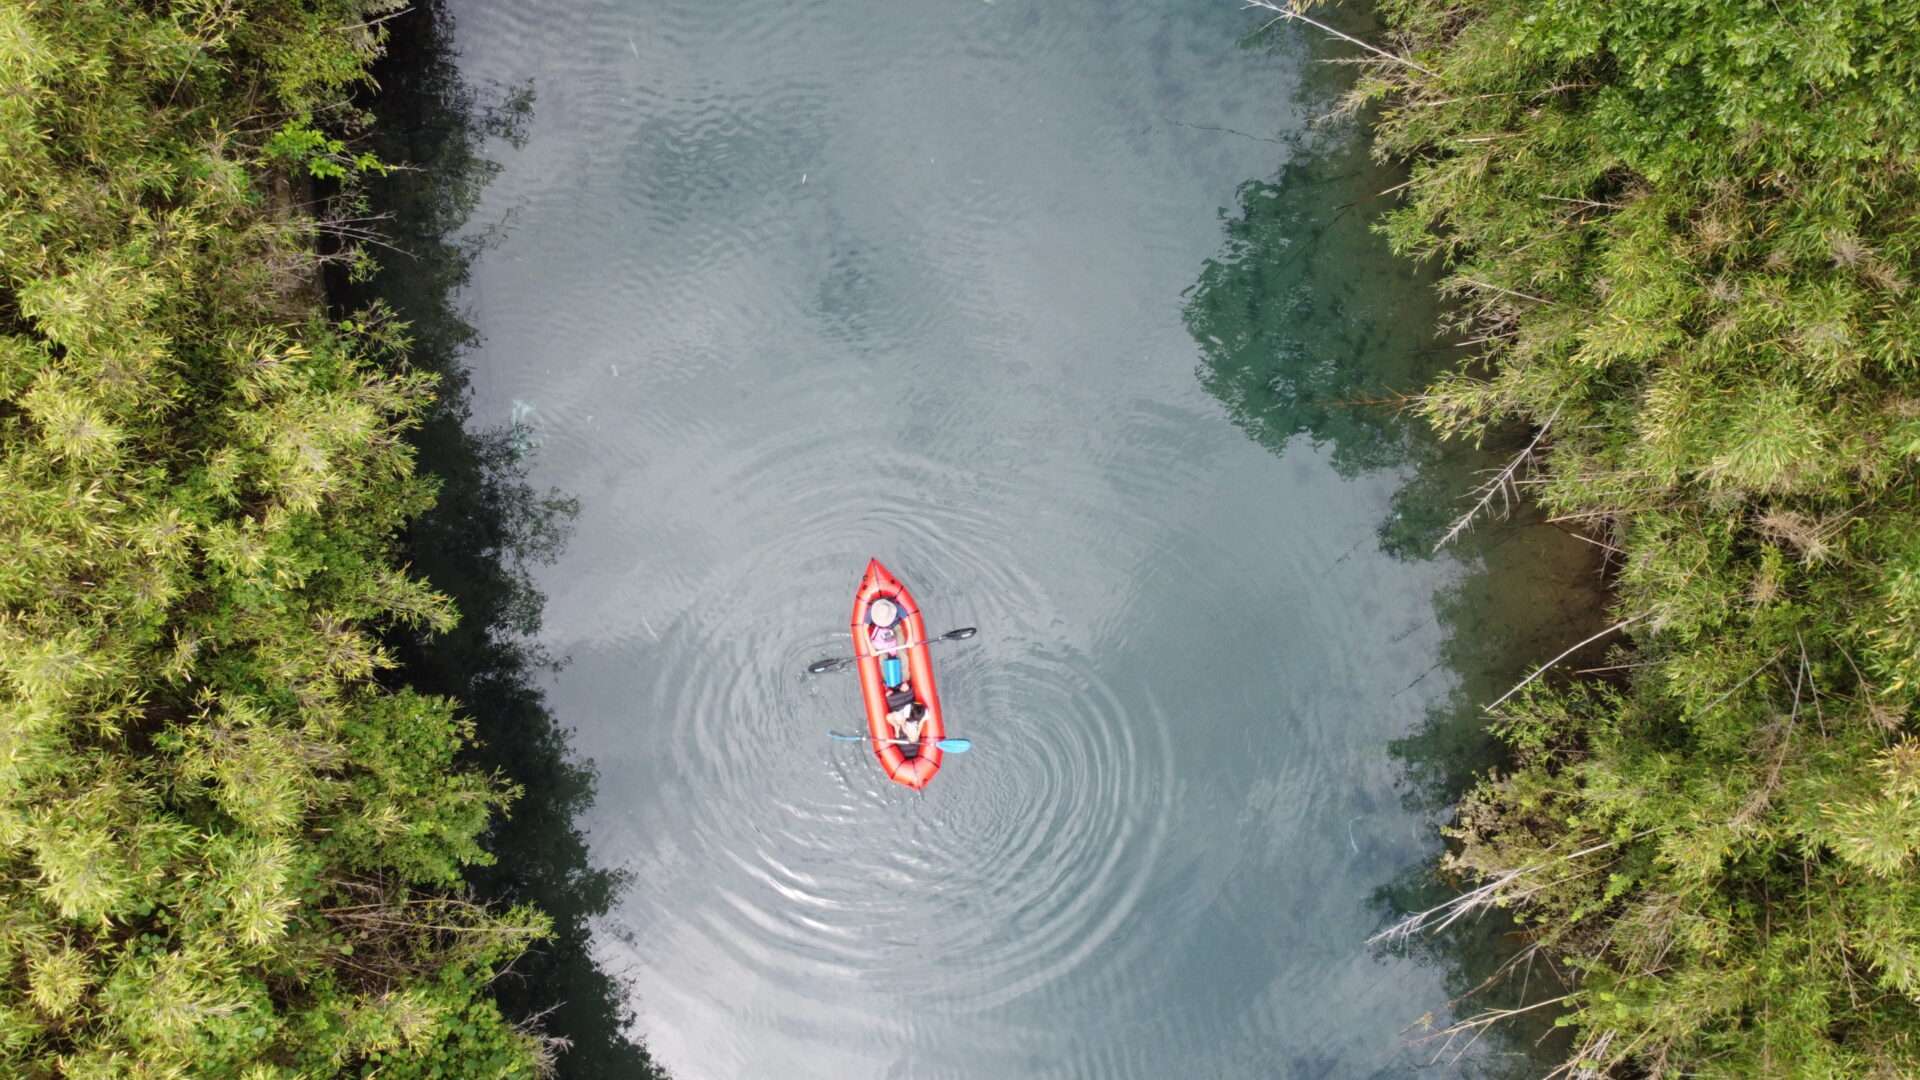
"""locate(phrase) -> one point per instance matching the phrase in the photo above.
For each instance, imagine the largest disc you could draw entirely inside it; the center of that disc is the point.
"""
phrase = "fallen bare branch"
(1542, 670)
(1285, 12)
(1503, 485)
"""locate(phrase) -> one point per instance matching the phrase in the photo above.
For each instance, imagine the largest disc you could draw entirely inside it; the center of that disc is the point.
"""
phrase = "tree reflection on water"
(477, 543)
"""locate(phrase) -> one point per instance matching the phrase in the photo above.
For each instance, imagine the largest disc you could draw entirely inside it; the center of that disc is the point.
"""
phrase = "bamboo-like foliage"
(1687, 233)
(226, 849)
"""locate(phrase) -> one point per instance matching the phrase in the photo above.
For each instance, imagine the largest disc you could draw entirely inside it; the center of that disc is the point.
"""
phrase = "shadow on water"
(1311, 329)
(476, 544)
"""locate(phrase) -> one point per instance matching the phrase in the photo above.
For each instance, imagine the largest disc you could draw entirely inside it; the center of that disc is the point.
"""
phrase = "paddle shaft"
(821, 667)
(962, 634)
(952, 746)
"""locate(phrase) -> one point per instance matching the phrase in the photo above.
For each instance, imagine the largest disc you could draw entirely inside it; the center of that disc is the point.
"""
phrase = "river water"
(1070, 315)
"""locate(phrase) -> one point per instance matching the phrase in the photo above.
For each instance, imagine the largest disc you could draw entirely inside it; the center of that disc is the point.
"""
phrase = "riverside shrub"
(1686, 233)
(227, 847)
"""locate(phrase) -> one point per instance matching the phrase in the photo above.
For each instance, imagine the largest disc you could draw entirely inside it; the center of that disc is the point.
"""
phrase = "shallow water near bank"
(1063, 313)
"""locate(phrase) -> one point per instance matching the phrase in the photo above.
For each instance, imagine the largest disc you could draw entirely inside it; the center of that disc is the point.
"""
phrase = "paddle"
(821, 667)
(951, 746)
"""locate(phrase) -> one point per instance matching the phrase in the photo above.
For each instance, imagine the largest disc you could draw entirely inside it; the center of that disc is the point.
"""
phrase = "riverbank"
(1313, 330)
(235, 838)
(1684, 243)
(487, 532)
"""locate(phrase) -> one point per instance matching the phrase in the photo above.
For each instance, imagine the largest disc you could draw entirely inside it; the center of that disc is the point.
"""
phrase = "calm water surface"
(1059, 310)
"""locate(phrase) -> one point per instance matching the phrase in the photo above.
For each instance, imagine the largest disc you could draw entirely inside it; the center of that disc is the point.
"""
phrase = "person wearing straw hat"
(884, 637)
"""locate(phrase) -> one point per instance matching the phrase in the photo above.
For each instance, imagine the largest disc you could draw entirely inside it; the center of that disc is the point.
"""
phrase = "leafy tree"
(229, 845)
(1686, 232)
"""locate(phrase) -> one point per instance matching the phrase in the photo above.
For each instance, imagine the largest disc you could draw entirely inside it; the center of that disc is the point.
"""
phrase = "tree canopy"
(232, 839)
(1685, 232)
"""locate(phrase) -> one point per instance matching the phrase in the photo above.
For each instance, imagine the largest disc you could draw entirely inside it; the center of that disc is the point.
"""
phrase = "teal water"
(1070, 315)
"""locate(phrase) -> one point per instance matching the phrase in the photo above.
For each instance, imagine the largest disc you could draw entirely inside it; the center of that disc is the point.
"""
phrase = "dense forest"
(236, 840)
(1682, 238)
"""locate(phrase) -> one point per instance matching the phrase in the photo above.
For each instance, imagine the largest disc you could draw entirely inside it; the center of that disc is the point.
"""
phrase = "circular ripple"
(1026, 865)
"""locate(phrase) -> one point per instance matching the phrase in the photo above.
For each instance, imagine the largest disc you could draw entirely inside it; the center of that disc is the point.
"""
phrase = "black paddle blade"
(821, 667)
(961, 634)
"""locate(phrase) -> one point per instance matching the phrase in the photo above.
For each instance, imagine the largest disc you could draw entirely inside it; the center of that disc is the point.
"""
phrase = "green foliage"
(299, 146)
(1687, 233)
(226, 848)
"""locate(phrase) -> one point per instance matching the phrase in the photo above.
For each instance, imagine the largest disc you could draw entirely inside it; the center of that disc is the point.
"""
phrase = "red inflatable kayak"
(912, 766)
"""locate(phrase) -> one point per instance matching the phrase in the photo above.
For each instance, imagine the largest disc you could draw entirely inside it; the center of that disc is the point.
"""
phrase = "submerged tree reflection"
(1299, 318)
(476, 544)
(1309, 328)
